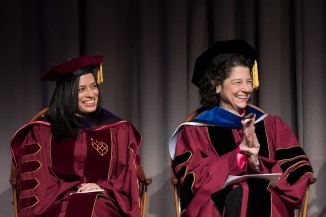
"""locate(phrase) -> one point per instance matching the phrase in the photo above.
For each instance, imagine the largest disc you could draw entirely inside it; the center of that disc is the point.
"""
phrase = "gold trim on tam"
(255, 82)
(100, 74)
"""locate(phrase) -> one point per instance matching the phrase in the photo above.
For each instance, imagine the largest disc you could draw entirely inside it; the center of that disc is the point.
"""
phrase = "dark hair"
(63, 108)
(207, 90)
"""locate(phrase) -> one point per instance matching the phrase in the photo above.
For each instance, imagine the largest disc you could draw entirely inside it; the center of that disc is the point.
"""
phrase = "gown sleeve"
(291, 160)
(200, 170)
(37, 186)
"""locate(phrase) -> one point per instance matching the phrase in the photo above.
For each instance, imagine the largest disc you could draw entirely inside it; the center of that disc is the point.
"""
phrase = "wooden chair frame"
(176, 192)
(143, 181)
(302, 212)
(304, 205)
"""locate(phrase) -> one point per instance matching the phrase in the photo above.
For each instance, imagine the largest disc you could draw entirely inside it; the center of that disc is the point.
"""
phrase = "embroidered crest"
(101, 147)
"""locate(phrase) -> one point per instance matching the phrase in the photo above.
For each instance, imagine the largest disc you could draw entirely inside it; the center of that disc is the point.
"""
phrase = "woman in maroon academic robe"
(78, 159)
(221, 141)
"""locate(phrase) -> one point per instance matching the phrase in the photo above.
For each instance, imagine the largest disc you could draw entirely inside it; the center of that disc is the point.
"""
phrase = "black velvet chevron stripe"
(181, 172)
(181, 158)
(219, 198)
(262, 139)
(185, 197)
(259, 199)
(295, 175)
(287, 165)
(188, 181)
(222, 139)
(292, 152)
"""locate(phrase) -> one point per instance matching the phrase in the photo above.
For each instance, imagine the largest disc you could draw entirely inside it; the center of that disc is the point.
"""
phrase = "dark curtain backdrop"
(149, 49)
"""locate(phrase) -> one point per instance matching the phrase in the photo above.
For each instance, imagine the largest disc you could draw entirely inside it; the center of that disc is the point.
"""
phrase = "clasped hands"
(250, 145)
(88, 187)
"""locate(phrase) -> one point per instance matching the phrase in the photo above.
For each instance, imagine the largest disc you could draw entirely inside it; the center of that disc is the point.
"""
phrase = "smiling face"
(235, 90)
(87, 94)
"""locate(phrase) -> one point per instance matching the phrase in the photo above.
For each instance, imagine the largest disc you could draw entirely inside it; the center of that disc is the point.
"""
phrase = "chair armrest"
(312, 180)
(141, 176)
(13, 175)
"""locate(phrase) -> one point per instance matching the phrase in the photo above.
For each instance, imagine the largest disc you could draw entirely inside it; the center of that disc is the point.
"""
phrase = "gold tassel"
(100, 74)
(255, 80)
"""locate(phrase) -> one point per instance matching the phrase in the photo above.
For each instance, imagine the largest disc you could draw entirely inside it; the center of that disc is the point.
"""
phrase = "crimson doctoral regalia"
(50, 172)
(205, 152)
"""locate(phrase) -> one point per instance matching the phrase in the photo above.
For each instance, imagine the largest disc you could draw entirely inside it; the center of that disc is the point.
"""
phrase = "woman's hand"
(88, 187)
(250, 145)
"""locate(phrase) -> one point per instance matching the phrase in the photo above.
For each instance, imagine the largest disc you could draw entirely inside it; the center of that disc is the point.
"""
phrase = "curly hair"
(207, 90)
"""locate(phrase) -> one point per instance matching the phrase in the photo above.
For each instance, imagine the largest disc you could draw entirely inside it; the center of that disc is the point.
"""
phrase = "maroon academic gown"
(206, 155)
(50, 172)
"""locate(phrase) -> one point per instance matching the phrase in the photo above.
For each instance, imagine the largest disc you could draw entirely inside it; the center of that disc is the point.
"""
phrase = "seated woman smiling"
(79, 159)
(231, 137)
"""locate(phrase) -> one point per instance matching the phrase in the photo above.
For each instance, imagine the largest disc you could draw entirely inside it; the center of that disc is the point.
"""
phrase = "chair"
(174, 179)
(144, 182)
(304, 206)
(302, 211)
(176, 192)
